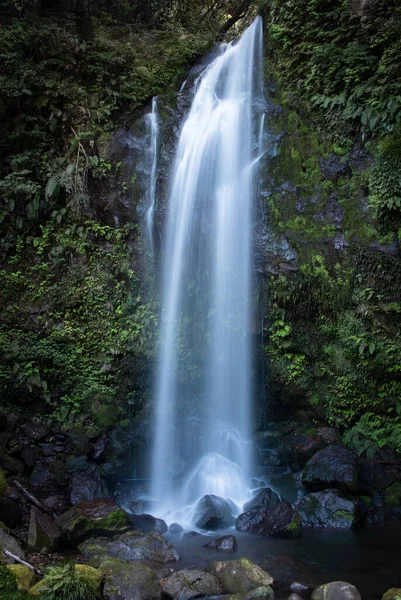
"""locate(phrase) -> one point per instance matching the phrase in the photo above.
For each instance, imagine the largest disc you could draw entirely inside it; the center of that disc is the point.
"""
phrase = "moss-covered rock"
(329, 508)
(101, 517)
(336, 590)
(191, 583)
(130, 546)
(332, 467)
(24, 576)
(393, 594)
(127, 580)
(239, 576)
(279, 520)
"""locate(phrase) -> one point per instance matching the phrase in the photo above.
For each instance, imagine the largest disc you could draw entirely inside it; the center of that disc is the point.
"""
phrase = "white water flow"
(203, 380)
(152, 126)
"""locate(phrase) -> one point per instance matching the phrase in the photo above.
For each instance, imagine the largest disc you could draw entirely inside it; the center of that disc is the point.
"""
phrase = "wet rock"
(373, 477)
(130, 581)
(393, 594)
(148, 523)
(77, 464)
(260, 593)
(56, 503)
(175, 528)
(11, 464)
(87, 487)
(290, 487)
(10, 513)
(329, 435)
(130, 546)
(212, 512)
(98, 449)
(239, 576)
(190, 583)
(333, 467)
(43, 535)
(8, 542)
(226, 542)
(262, 499)
(279, 520)
(330, 508)
(40, 474)
(300, 588)
(25, 577)
(95, 517)
(191, 534)
(35, 431)
(336, 590)
(30, 454)
(294, 597)
(332, 168)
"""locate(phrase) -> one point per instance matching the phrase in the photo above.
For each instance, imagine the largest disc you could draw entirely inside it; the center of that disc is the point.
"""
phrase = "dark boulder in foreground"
(333, 467)
(279, 520)
(336, 590)
(128, 580)
(330, 508)
(262, 499)
(190, 583)
(148, 523)
(212, 512)
(226, 542)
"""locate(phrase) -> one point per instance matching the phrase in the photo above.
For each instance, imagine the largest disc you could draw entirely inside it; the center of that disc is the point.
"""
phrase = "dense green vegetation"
(333, 341)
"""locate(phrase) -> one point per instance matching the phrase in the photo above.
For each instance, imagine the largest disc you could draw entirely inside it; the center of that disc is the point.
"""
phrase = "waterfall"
(152, 127)
(203, 403)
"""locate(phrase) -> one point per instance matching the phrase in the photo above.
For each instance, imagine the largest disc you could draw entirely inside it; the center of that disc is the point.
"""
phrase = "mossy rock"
(336, 590)
(101, 517)
(392, 495)
(393, 594)
(240, 576)
(3, 483)
(134, 581)
(38, 588)
(24, 576)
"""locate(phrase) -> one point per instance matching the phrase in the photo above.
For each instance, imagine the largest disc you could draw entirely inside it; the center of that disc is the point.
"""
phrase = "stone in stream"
(239, 576)
(333, 467)
(262, 499)
(147, 523)
(279, 520)
(212, 512)
(190, 583)
(175, 528)
(336, 590)
(330, 508)
(226, 542)
(130, 546)
(130, 581)
(300, 588)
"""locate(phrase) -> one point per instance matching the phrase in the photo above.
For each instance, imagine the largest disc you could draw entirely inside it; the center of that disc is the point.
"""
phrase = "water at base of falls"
(203, 398)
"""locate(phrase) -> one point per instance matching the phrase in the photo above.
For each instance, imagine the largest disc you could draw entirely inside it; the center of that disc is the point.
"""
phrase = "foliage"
(375, 431)
(8, 586)
(343, 57)
(65, 582)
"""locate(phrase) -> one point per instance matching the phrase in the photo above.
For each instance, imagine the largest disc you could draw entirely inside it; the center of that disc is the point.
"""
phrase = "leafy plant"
(65, 582)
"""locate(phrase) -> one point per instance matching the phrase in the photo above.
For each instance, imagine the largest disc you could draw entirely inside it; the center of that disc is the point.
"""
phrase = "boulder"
(130, 581)
(262, 499)
(332, 467)
(278, 520)
(336, 590)
(300, 588)
(329, 435)
(25, 577)
(330, 508)
(95, 517)
(239, 576)
(190, 583)
(212, 512)
(289, 487)
(130, 546)
(191, 534)
(393, 594)
(43, 535)
(8, 542)
(148, 523)
(175, 528)
(87, 487)
(226, 542)
(260, 593)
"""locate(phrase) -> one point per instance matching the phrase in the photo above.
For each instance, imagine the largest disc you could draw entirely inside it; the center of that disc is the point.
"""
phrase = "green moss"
(23, 575)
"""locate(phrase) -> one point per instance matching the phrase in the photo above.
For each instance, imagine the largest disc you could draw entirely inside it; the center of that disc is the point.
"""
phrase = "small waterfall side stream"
(203, 398)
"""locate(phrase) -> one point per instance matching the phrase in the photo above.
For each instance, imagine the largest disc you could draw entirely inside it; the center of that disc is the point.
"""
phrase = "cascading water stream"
(152, 126)
(203, 380)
